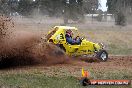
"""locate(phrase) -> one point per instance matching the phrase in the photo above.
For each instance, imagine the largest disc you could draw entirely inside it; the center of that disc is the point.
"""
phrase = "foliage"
(25, 7)
(120, 9)
(49, 7)
(90, 5)
(4, 7)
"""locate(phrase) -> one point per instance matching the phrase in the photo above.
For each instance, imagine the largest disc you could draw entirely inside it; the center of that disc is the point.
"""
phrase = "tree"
(75, 9)
(25, 7)
(8, 6)
(119, 9)
(90, 6)
(100, 16)
(4, 7)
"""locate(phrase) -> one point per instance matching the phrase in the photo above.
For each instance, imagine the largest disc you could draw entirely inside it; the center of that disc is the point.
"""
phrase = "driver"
(70, 40)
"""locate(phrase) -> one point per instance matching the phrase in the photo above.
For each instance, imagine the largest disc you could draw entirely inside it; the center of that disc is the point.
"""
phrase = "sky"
(103, 5)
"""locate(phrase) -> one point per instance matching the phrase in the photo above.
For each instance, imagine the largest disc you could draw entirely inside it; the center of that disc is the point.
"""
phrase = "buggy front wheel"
(102, 55)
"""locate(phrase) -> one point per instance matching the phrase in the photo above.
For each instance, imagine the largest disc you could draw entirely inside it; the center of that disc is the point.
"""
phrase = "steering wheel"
(82, 38)
(77, 37)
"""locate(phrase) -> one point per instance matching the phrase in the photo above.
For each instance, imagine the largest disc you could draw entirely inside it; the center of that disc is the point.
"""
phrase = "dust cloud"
(20, 48)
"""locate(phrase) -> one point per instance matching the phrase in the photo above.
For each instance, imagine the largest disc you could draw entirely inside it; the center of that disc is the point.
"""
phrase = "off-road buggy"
(86, 48)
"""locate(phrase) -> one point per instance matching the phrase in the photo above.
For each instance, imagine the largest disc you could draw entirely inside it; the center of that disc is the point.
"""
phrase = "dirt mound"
(49, 54)
(25, 48)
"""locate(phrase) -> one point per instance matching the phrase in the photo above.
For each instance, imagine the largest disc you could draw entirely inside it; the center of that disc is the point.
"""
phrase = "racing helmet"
(69, 32)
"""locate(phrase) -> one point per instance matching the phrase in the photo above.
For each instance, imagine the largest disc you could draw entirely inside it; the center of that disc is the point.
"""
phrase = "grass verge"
(39, 80)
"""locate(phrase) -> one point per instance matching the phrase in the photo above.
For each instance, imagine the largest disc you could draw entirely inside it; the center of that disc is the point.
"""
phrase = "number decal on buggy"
(61, 36)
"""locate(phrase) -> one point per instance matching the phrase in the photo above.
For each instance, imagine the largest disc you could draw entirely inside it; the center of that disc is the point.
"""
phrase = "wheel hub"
(103, 56)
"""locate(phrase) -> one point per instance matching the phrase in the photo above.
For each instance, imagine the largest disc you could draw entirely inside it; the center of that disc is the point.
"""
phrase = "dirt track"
(24, 47)
(114, 62)
(116, 65)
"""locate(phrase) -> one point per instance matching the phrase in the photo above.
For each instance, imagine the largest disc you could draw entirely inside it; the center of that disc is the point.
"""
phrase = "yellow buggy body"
(57, 37)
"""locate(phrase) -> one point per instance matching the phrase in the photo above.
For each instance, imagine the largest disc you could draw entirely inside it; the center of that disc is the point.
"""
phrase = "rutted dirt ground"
(23, 46)
(117, 67)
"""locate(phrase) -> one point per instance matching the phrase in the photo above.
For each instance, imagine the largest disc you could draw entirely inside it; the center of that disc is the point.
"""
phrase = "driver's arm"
(70, 40)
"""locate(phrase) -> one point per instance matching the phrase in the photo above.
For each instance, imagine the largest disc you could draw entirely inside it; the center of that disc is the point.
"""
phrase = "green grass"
(117, 40)
(39, 80)
(112, 74)
(116, 49)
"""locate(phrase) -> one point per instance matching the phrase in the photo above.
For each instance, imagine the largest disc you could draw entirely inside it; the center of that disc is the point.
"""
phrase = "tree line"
(49, 7)
(122, 9)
